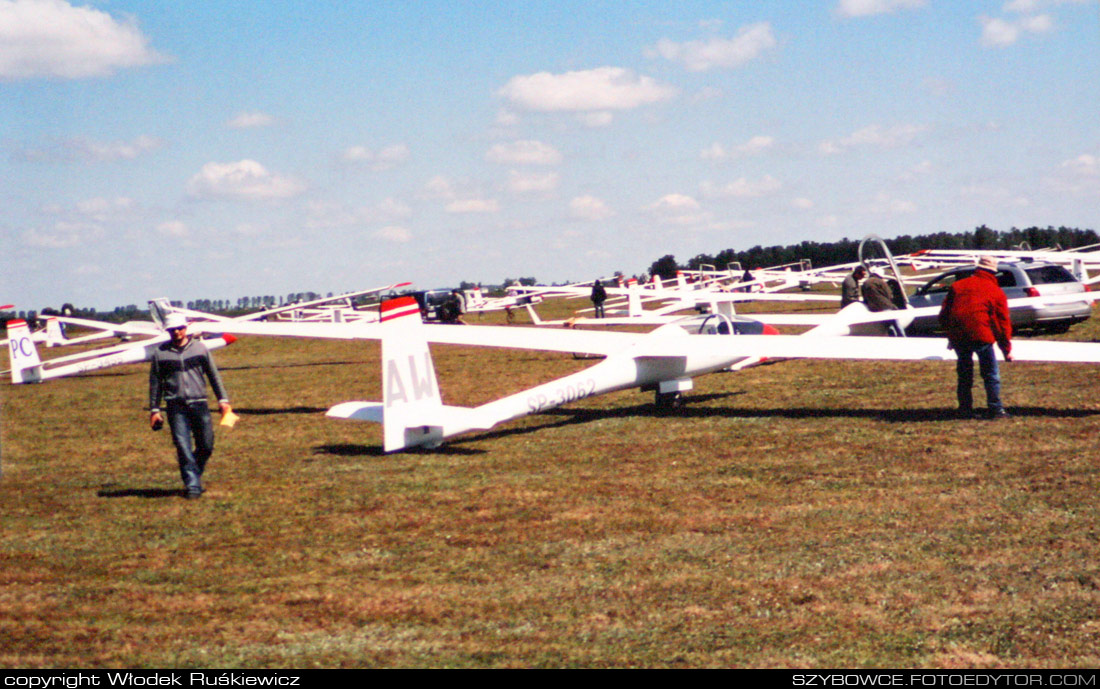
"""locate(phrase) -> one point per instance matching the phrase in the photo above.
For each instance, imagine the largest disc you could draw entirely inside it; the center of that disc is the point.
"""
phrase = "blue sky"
(226, 149)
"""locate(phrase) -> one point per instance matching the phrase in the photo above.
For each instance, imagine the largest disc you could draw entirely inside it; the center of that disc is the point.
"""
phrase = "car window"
(1046, 275)
(943, 283)
(1006, 278)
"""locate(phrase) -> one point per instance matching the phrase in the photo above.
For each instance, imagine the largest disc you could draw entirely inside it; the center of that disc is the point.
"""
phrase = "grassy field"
(801, 514)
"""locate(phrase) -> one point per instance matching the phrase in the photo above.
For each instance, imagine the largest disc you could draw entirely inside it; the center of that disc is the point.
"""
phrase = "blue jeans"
(190, 422)
(987, 366)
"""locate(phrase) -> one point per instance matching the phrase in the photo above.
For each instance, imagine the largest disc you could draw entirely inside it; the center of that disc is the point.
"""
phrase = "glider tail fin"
(412, 411)
(26, 367)
(159, 309)
(633, 300)
(54, 336)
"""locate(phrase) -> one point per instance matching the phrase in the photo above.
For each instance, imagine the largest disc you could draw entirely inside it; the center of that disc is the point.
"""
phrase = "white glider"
(27, 367)
(664, 361)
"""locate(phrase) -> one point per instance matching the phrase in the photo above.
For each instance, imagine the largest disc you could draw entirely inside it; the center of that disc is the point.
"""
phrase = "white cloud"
(323, 215)
(673, 202)
(993, 196)
(1084, 165)
(53, 39)
(525, 152)
(244, 179)
(1078, 176)
(1032, 6)
(118, 150)
(866, 8)
(96, 151)
(887, 205)
(63, 235)
(743, 188)
(460, 198)
(439, 187)
(754, 146)
(384, 159)
(394, 233)
(173, 228)
(391, 156)
(678, 209)
(250, 120)
(506, 118)
(875, 136)
(1001, 33)
(603, 88)
(523, 183)
(249, 229)
(595, 120)
(101, 209)
(751, 42)
(473, 206)
(589, 208)
(802, 203)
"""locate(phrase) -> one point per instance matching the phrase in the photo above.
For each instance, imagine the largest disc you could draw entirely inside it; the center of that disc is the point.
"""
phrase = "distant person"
(598, 297)
(747, 277)
(975, 316)
(877, 295)
(450, 311)
(179, 373)
(849, 289)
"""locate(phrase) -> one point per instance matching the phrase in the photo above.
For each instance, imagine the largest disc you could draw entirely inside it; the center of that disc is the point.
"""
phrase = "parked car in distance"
(1018, 279)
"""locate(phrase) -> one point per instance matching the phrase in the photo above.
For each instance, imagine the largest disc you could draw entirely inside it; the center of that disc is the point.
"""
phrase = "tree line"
(822, 254)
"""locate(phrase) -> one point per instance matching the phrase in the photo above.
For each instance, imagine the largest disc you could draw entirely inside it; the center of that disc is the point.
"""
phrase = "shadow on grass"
(569, 417)
(262, 411)
(141, 493)
(349, 450)
(251, 367)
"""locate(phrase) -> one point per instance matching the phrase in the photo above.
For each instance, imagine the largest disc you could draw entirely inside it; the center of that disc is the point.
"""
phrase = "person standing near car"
(180, 370)
(975, 316)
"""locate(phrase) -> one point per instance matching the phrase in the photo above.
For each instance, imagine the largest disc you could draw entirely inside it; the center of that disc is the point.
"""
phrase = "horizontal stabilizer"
(357, 411)
(443, 416)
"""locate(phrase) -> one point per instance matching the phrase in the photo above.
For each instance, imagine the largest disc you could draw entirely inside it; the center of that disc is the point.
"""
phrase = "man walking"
(180, 370)
(975, 316)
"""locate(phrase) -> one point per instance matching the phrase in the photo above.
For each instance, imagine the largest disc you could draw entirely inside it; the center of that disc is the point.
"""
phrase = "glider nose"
(229, 339)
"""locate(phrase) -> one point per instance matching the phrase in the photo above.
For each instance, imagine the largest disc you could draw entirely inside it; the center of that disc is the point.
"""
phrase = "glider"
(27, 367)
(665, 360)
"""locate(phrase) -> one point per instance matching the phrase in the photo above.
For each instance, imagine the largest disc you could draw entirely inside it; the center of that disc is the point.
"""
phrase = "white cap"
(175, 320)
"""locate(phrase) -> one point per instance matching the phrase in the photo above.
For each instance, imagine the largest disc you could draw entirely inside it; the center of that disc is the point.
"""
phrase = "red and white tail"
(410, 391)
(26, 367)
(633, 299)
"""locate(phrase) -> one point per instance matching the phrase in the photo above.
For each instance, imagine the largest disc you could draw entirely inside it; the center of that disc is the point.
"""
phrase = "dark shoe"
(193, 494)
(965, 414)
(999, 415)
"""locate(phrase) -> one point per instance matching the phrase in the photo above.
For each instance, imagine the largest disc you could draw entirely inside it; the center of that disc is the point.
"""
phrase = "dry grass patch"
(799, 514)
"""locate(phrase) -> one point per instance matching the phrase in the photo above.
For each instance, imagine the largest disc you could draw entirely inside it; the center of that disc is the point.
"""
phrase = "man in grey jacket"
(180, 370)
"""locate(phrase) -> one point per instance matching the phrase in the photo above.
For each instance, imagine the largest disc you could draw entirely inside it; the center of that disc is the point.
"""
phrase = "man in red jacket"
(975, 316)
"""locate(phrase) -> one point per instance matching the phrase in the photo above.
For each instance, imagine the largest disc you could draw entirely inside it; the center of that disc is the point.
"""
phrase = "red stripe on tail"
(399, 308)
